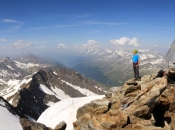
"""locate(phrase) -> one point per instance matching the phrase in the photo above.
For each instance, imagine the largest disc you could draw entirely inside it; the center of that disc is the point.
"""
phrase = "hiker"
(136, 63)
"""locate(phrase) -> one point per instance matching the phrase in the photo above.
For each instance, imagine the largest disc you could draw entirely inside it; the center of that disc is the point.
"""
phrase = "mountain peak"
(6, 59)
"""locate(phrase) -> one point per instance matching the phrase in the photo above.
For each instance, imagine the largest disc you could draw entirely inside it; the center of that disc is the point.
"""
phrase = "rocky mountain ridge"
(137, 105)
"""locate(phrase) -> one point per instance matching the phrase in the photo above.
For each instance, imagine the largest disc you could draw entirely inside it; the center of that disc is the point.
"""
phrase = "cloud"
(18, 24)
(92, 43)
(21, 44)
(77, 16)
(125, 41)
(75, 25)
(61, 45)
(2, 40)
(90, 46)
(102, 23)
(41, 47)
(53, 27)
(10, 21)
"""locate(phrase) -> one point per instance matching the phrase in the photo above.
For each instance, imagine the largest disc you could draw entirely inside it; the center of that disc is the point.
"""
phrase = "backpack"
(160, 73)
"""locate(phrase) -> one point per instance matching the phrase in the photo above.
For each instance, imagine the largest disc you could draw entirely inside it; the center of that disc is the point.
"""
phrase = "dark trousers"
(136, 72)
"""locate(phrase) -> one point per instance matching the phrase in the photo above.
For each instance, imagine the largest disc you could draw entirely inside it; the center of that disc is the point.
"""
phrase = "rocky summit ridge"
(148, 104)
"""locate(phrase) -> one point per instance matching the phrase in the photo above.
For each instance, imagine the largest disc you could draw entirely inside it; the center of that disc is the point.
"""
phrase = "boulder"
(61, 126)
(95, 107)
(30, 125)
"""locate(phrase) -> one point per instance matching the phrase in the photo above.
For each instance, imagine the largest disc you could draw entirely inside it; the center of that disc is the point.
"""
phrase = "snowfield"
(64, 110)
(8, 120)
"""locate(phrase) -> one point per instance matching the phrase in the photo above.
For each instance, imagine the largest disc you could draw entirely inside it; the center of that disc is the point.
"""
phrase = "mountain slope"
(20, 67)
(9, 70)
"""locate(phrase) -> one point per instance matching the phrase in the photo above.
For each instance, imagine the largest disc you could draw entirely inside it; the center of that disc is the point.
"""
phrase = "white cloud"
(61, 45)
(92, 43)
(125, 41)
(41, 47)
(18, 24)
(10, 21)
(21, 44)
(102, 23)
(77, 16)
(91, 46)
(2, 40)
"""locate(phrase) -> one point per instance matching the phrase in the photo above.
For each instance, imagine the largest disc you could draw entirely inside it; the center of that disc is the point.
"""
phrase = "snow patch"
(120, 52)
(2, 81)
(50, 103)
(143, 56)
(10, 67)
(60, 94)
(29, 65)
(98, 88)
(8, 120)
(13, 87)
(65, 110)
(143, 50)
(151, 56)
(158, 61)
(46, 90)
(108, 51)
(82, 90)
(55, 73)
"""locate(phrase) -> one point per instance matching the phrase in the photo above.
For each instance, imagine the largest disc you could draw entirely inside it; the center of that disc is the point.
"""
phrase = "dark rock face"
(12, 109)
(32, 101)
(149, 104)
(55, 82)
(77, 79)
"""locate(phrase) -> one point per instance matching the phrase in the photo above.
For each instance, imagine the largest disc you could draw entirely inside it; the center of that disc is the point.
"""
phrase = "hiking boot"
(135, 79)
(138, 79)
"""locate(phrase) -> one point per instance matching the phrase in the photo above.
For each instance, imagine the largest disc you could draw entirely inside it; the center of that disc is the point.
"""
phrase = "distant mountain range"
(113, 67)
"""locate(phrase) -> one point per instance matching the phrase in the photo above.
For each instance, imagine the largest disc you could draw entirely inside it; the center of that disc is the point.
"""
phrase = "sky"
(53, 27)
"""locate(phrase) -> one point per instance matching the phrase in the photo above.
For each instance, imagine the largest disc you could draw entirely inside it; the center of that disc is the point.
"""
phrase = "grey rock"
(30, 125)
(61, 126)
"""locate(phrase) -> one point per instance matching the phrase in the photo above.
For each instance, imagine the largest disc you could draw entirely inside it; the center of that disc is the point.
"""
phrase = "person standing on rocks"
(136, 63)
